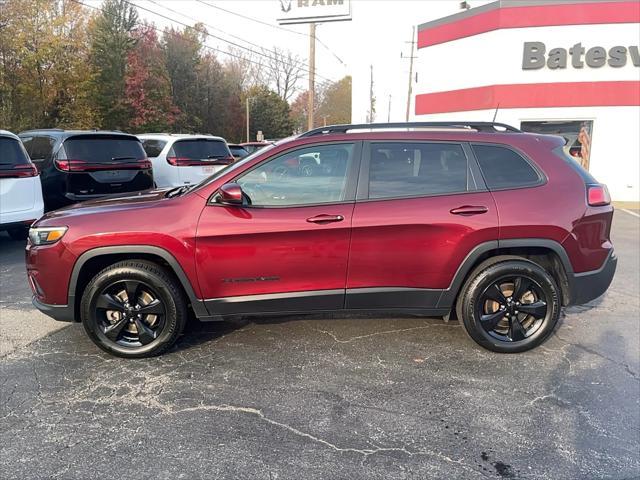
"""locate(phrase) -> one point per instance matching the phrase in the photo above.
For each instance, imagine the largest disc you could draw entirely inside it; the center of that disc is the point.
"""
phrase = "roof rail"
(478, 126)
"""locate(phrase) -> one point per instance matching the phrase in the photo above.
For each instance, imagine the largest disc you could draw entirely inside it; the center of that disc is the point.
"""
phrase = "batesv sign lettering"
(307, 11)
(534, 56)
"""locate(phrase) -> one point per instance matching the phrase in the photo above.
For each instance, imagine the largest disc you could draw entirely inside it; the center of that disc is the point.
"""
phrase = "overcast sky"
(379, 31)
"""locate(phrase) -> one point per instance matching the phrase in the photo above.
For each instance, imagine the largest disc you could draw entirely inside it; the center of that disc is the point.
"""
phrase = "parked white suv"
(184, 159)
(20, 189)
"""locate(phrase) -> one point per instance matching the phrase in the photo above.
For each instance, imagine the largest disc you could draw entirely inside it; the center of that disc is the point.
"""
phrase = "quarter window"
(153, 147)
(419, 169)
(306, 176)
(41, 148)
(504, 168)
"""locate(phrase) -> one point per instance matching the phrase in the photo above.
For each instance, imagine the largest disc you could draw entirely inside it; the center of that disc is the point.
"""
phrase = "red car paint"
(412, 243)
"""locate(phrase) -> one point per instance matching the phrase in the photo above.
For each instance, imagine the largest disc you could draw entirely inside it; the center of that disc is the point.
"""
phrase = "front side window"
(306, 176)
(416, 169)
(504, 168)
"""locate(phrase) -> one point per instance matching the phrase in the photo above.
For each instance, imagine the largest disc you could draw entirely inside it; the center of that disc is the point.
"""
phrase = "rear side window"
(504, 168)
(199, 149)
(103, 149)
(409, 170)
(39, 148)
(12, 153)
(152, 147)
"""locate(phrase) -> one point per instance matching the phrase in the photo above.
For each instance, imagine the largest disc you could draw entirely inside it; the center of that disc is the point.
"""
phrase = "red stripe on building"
(531, 16)
(531, 95)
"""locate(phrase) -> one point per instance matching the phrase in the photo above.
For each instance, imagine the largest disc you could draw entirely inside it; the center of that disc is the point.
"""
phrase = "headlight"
(46, 235)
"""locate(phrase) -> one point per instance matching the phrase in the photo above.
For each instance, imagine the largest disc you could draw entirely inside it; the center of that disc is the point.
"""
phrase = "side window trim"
(542, 178)
(474, 167)
(351, 182)
(362, 194)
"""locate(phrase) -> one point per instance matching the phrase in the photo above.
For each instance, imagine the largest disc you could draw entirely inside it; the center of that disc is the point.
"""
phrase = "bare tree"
(283, 71)
(247, 67)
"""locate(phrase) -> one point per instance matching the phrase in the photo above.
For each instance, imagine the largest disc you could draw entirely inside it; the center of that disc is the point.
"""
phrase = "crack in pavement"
(362, 451)
(386, 332)
(625, 366)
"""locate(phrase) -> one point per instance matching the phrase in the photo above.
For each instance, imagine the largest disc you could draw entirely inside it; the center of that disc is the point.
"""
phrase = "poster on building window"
(577, 135)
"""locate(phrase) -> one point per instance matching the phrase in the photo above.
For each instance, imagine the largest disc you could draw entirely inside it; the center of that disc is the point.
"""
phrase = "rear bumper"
(588, 286)
(62, 313)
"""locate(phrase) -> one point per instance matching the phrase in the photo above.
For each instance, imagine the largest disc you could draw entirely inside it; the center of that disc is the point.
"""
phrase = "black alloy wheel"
(509, 304)
(134, 309)
(511, 309)
(130, 313)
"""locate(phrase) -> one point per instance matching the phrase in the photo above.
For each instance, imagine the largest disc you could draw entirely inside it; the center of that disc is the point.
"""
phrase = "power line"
(278, 27)
(215, 36)
(208, 47)
(302, 63)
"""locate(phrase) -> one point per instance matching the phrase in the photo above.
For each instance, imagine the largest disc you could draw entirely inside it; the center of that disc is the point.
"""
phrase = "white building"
(570, 67)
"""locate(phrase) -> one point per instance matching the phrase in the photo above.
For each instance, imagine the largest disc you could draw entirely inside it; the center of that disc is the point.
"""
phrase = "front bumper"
(62, 313)
(588, 286)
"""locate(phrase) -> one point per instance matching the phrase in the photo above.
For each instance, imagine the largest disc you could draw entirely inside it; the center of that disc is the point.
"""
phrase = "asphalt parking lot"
(325, 397)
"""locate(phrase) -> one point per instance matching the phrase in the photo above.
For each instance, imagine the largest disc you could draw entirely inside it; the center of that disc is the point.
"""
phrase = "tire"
(18, 234)
(120, 328)
(517, 316)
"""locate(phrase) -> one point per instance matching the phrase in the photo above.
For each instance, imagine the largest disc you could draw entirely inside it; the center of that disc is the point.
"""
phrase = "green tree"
(269, 113)
(183, 58)
(111, 42)
(335, 105)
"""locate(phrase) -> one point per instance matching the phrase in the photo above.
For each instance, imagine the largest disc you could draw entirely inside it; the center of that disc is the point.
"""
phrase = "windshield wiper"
(175, 192)
(123, 158)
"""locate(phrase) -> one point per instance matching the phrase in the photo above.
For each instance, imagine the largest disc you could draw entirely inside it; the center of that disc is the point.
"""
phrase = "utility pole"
(312, 74)
(389, 110)
(248, 139)
(371, 98)
(413, 43)
(324, 120)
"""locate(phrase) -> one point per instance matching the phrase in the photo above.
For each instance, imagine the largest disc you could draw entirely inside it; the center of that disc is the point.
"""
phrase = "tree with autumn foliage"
(147, 85)
(44, 70)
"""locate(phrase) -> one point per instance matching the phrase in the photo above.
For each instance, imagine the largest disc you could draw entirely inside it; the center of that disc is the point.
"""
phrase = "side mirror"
(231, 194)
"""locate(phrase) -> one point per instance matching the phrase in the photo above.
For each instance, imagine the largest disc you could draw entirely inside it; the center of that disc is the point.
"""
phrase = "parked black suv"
(80, 165)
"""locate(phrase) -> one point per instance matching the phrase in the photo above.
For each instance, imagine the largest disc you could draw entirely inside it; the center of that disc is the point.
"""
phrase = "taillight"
(20, 171)
(598, 195)
(190, 162)
(84, 166)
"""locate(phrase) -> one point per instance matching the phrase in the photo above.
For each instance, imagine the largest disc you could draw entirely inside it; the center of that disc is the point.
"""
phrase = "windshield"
(103, 149)
(11, 152)
(234, 166)
(199, 149)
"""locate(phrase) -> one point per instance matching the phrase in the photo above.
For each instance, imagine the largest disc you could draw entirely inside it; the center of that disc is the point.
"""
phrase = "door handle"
(470, 210)
(321, 219)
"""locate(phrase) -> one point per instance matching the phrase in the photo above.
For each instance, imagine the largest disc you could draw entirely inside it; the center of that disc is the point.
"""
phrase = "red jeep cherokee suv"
(500, 227)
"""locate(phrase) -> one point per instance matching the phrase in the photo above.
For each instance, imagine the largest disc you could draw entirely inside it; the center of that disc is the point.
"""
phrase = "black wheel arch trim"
(449, 295)
(197, 304)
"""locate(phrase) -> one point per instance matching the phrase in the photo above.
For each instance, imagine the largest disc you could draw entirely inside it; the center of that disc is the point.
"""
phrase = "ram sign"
(311, 11)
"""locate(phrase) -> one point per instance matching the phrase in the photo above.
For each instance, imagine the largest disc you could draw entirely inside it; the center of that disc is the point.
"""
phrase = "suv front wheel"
(133, 309)
(509, 306)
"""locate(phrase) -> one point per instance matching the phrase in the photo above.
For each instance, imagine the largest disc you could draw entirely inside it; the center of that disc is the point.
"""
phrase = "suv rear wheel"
(509, 306)
(133, 309)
